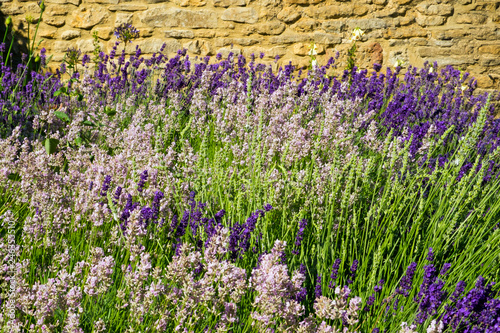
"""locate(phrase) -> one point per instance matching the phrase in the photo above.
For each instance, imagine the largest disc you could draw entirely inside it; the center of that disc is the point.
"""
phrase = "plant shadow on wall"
(10, 35)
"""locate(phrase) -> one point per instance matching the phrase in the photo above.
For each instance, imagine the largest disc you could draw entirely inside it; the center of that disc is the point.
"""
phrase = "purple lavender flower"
(335, 271)
(126, 33)
(156, 205)
(317, 289)
(105, 186)
(117, 195)
(142, 181)
(353, 269)
(445, 269)
(268, 207)
(430, 255)
(405, 283)
(300, 236)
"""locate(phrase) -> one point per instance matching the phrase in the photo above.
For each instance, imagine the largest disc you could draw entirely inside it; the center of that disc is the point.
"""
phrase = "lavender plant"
(135, 221)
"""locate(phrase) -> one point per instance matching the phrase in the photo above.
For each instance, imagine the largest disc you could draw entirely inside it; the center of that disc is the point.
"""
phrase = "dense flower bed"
(370, 200)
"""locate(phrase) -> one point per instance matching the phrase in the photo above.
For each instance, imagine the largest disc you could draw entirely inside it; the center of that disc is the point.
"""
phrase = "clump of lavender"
(142, 181)
(126, 33)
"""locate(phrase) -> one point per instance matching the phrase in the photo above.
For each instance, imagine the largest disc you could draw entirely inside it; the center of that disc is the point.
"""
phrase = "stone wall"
(463, 33)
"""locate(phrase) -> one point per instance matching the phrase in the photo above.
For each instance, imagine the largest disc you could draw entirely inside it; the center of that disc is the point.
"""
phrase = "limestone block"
(366, 24)
(376, 53)
(62, 46)
(85, 45)
(171, 17)
(127, 7)
(326, 39)
(227, 3)
(47, 32)
(489, 61)
(240, 15)
(449, 34)
(268, 53)
(88, 17)
(64, 2)
(430, 8)
(270, 28)
(332, 26)
(114, 2)
(290, 38)
(303, 49)
(240, 41)
(190, 3)
(307, 25)
(153, 45)
(123, 18)
(303, 2)
(289, 15)
(204, 34)
(57, 10)
(70, 34)
(202, 48)
(471, 18)
(489, 49)
(426, 21)
(54, 21)
(104, 33)
(226, 50)
(406, 32)
(337, 11)
(32, 8)
(12, 9)
(179, 33)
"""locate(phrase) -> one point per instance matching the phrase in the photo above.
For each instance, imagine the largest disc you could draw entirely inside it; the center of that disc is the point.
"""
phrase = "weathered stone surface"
(204, 34)
(332, 26)
(226, 50)
(32, 8)
(103, 32)
(123, 18)
(471, 18)
(54, 21)
(406, 32)
(179, 33)
(194, 46)
(366, 24)
(288, 15)
(85, 45)
(303, 49)
(169, 17)
(241, 15)
(12, 9)
(337, 11)
(47, 32)
(429, 8)
(453, 61)
(270, 28)
(489, 61)
(290, 38)
(307, 25)
(87, 17)
(103, 2)
(153, 45)
(268, 53)
(484, 81)
(190, 3)
(326, 39)
(127, 7)
(239, 41)
(64, 2)
(449, 34)
(429, 21)
(376, 53)
(303, 2)
(227, 3)
(62, 46)
(489, 49)
(55, 10)
(70, 34)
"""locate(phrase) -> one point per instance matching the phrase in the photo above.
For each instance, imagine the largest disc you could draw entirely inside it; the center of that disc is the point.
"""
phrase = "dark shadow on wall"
(20, 44)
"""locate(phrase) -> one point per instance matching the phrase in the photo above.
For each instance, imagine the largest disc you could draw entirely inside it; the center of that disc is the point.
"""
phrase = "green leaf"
(80, 97)
(78, 141)
(57, 93)
(109, 111)
(15, 177)
(51, 145)
(88, 123)
(63, 116)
